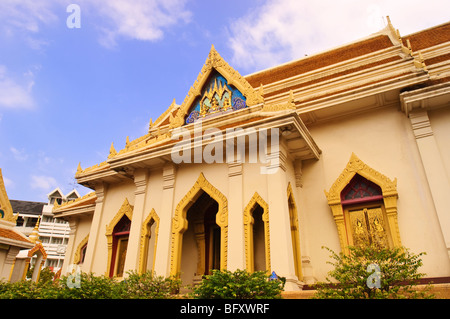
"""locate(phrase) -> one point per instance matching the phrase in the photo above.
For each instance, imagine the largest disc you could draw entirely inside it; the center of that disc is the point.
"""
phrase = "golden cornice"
(289, 105)
(91, 169)
(74, 202)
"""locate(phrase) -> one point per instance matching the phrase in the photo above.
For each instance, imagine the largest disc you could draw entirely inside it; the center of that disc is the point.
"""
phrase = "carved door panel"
(368, 227)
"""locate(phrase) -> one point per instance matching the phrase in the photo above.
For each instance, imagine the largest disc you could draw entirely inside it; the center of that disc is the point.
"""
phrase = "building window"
(117, 233)
(364, 207)
(364, 214)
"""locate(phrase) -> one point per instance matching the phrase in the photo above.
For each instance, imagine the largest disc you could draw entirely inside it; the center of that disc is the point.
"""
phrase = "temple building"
(12, 241)
(345, 147)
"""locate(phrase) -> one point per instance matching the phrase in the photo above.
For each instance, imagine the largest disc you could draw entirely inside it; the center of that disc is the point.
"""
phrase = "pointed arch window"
(117, 233)
(364, 206)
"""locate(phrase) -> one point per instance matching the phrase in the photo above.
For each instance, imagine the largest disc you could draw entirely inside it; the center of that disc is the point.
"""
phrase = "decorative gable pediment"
(219, 88)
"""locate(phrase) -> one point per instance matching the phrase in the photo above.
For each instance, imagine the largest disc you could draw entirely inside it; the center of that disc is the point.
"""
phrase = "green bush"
(372, 272)
(90, 287)
(93, 287)
(149, 286)
(238, 285)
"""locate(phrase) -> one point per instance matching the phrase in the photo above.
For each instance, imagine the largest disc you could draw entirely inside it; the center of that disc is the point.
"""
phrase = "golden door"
(368, 227)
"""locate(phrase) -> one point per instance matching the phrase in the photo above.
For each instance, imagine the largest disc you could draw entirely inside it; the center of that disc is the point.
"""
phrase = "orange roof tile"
(320, 60)
(11, 234)
(430, 37)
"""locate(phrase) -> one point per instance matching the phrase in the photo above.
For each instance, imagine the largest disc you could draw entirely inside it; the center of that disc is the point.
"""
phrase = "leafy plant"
(147, 285)
(90, 287)
(136, 286)
(238, 285)
(372, 272)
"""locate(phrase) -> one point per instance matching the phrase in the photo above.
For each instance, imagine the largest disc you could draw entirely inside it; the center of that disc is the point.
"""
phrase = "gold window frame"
(388, 189)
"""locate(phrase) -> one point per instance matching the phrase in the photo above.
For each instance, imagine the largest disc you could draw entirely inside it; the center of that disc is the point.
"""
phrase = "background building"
(53, 232)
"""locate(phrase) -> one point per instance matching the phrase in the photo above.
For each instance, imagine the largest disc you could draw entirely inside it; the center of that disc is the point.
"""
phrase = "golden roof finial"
(34, 236)
(79, 169)
(112, 151)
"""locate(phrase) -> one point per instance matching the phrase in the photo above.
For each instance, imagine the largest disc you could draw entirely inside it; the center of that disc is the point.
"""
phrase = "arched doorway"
(149, 241)
(199, 232)
(201, 241)
(257, 238)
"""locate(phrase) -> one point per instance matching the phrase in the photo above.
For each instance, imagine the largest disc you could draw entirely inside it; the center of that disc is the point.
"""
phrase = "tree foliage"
(90, 286)
(238, 285)
(371, 272)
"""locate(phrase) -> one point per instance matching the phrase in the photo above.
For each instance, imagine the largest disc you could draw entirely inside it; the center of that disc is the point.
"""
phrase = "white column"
(437, 177)
(281, 252)
(236, 249)
(70, 248)
(134, 239)
(96, 229)
(8, 262)
(163, 249)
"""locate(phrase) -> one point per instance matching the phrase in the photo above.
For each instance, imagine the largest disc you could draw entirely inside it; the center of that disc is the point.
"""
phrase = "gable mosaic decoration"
(218, 97)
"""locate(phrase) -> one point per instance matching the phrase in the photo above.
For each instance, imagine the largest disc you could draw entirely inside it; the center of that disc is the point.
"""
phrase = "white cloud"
(145, 20)
(19, 155)
(8, 183)
(27, 15)
(282, 30)
(43, 182)
(13, 94)
(140, 19)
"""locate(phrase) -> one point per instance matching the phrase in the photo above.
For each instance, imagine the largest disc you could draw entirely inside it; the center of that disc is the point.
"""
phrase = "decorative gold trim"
(388, 188)
(295, 233)
(180, 223)
(125, 209)
(77, 255)
(38, 247)
(288, 105)
(248, 232)
(5, 204)
(145, 236)
(215, 61)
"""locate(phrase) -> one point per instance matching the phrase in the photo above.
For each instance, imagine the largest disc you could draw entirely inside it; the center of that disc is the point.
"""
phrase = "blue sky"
(67, 93)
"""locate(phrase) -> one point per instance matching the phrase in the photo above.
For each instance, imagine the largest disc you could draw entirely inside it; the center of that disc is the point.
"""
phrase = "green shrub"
(149, 286)
(90, 287)
(27, 289)
(238, 285)
(372, 272)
